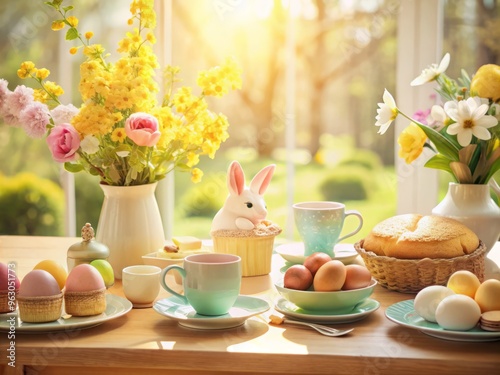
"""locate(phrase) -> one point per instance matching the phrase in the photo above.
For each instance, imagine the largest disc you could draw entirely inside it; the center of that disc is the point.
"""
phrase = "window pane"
(345, 57)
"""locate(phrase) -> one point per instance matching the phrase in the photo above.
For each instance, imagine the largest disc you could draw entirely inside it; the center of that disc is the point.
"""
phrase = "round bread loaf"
(413, 236)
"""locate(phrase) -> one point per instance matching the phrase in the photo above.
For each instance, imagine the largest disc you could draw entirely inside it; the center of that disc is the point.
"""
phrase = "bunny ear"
(235, 179)
(262, 179)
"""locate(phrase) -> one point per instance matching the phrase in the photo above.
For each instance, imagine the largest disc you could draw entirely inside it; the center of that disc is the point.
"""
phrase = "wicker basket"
(412, 275)
(40, 309)
(85, 303)
(7, 304)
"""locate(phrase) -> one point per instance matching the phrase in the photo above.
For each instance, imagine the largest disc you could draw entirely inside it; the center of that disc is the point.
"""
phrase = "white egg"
(428, 299)
(458, 312)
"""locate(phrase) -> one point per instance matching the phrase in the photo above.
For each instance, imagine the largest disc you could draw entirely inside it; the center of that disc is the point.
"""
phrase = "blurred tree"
(332, 48)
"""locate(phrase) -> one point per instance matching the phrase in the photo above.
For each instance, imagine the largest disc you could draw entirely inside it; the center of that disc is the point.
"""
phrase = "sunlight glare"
(299, 8)
(262, 8)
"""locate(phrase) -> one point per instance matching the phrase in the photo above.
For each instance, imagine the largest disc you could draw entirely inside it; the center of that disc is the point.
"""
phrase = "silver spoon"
(324, 330)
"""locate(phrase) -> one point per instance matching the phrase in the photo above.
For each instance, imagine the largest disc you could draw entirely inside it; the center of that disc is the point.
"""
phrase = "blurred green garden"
(354, 177)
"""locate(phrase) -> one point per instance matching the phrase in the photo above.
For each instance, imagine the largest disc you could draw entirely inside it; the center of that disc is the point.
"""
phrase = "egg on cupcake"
(85, 292)
(39, 298)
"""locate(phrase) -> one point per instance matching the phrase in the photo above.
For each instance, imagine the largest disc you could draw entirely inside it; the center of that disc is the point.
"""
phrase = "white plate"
(403, 313)
(244, 308)
(115, 307)
(294, 252)
(359, 312)
(153, 259)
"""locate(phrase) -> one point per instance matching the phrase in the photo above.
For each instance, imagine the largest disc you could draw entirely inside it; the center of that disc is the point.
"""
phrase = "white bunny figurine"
(244, 207)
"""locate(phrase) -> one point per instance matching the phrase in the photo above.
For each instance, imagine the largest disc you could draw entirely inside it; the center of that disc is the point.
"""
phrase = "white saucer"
(116, 306)
(244, 308)
(359, 312)
(294, 252)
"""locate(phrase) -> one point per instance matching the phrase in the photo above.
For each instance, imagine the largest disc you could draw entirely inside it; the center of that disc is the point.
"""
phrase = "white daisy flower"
(471, 120)
(432, 72)
(387, 112)
(439, 117)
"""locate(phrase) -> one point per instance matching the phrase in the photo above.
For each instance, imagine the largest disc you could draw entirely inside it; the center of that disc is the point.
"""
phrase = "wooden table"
(144, 342)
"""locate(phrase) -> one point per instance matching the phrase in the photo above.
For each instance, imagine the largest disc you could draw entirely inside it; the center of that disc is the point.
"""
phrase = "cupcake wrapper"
(85, 303)
(40, 309)
(4, 302)
(255, 252)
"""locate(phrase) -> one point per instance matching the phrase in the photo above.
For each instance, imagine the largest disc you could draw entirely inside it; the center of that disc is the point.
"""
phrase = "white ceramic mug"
(211, 282)
(141, 284)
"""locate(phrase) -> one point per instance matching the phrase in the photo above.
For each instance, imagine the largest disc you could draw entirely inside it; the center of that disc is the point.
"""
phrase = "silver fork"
(324, 330)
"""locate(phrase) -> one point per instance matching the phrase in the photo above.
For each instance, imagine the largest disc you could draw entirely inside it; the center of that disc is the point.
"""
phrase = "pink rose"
(63, 142)
(142, 129)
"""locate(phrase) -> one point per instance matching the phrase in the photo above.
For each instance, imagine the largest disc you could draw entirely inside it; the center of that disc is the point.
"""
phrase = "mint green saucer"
(360, 311)
(403, 313)
(244, 308)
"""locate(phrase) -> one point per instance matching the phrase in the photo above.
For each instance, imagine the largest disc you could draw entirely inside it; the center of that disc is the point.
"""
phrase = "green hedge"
(30, 205)
(206, 197)
(362, 158)
(345, 184)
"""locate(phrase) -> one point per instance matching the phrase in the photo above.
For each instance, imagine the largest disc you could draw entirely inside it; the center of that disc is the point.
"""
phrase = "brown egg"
(314, 261)
(330, 276)
(356, 277)
(297, 277)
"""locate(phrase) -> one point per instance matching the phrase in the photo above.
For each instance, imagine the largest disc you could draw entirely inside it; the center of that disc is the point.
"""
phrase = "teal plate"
(244, 308)
(360, 311)
(294, 253)
(403, 313)
(116, 306)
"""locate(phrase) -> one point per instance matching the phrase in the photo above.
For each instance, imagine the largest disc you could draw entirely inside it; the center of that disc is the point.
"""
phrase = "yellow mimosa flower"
(26, 68)
(42, 73)
(57, 25)
(196, 175)
(73, 21)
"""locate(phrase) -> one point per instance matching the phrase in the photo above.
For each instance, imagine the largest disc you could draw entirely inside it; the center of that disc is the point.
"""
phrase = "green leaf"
(71, 34)
(68, 8)
(442, 144)
(495, 165)
(439, 161)
(72, 167)
(54, 4)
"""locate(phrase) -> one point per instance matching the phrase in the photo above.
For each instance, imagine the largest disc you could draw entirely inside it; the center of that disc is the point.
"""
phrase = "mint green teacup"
(211, 282)
(320, 224)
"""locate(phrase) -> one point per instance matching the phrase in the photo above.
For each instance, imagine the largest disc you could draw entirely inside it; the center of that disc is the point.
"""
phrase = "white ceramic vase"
(472, 205)
(129, 224)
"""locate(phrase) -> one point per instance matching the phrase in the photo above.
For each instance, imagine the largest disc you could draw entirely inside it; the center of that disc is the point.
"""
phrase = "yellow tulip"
(486, 82)
(412, 141)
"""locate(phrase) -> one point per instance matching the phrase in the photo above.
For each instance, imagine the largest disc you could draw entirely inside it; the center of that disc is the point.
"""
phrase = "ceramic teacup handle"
(182, 271)
(355, 213)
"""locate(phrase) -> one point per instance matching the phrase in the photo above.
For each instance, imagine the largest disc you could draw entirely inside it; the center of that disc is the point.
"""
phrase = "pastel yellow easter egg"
(464, 282)
(55, 269)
